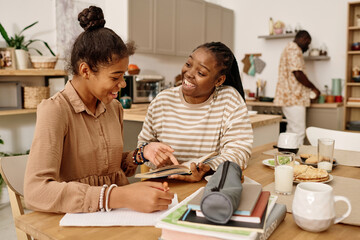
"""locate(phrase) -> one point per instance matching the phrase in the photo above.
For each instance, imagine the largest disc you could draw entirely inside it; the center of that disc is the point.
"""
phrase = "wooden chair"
(343, 140)
(12, 170)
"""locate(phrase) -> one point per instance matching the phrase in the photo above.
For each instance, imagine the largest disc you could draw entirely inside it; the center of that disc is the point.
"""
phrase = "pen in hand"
(166, 186)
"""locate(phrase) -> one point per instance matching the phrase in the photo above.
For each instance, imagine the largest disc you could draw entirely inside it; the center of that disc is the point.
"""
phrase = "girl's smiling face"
(200, 76)
(105, 84)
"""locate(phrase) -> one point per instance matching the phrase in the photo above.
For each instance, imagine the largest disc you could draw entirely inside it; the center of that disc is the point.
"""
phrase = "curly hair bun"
(91, 18)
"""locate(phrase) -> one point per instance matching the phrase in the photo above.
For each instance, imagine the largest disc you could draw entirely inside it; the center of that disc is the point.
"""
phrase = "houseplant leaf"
(28, 27)
(4, 34)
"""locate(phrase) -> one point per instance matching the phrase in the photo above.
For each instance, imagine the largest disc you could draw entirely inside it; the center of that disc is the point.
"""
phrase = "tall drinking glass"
(325, 153)
(284, 172)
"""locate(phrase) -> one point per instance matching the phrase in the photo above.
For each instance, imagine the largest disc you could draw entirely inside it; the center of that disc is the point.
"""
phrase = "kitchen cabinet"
(324, 116)
(213, 22)
(190, 25)
(219, 25)
(141, 24)
(176, 27)
(227, 26)
(352, 88)
(164, 26)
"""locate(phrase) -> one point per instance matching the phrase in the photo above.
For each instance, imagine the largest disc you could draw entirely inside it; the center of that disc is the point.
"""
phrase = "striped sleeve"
(236, 139)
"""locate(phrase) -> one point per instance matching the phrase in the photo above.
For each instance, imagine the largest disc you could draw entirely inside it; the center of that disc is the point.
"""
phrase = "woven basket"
(43, 62)
(44, 65)
(34, 95)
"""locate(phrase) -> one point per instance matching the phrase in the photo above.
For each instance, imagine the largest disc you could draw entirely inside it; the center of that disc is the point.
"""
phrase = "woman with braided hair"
(76, 161)
(207, 113)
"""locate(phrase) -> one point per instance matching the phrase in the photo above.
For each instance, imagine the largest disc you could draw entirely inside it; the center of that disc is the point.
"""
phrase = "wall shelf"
(353, 84)
(16, 112)
(354, 28)
(277, 36)
(46, 73)
(354, 52)
(317, 58)
(33, 72)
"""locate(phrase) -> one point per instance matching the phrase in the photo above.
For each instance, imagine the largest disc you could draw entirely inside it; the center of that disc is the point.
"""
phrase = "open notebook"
(183, 168)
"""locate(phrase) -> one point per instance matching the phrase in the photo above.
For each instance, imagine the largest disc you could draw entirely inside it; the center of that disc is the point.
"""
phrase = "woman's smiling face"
(200, 76)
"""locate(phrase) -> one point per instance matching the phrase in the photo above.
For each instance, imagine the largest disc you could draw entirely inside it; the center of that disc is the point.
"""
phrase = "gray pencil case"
(222, 193)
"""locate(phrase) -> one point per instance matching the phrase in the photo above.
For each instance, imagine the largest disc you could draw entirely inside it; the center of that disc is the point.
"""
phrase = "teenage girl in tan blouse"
(78, 142)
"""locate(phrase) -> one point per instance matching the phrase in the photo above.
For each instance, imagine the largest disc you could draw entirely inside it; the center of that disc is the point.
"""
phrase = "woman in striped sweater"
(207, 113)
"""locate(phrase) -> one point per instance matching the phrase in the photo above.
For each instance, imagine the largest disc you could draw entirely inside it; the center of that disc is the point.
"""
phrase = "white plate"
(252, 113)
(329, 180)
(267, 163)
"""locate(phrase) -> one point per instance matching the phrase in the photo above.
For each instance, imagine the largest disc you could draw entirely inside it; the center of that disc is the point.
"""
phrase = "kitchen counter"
(137, 113)
(312, 105)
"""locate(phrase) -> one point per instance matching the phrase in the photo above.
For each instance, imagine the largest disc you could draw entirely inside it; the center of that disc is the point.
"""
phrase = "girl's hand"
(197, 173)
(160, 154)
(142, 197)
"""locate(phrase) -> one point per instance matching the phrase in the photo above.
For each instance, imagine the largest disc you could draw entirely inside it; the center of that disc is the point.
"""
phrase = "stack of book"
(257, 217)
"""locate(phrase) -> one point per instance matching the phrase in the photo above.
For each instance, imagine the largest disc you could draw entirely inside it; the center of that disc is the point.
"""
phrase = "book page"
(117, 217)
(183, 168)
(203, 159)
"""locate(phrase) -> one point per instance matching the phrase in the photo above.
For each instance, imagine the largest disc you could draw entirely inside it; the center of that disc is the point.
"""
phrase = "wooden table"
(46, 225)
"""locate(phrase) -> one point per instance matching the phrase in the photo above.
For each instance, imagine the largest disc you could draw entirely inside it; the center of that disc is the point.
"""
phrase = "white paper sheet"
(117, 217)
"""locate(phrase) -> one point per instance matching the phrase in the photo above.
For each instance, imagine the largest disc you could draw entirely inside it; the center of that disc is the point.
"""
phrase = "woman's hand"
(142, 197)
(196, 173)
(160, 154)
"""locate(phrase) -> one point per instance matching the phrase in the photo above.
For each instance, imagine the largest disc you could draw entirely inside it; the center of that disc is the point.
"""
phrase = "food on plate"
(305, 173)
(271, 162)
(305, 155)
(312, 160)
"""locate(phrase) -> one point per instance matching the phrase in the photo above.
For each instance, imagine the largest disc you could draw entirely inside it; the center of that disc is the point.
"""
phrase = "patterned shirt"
(289, 91)
(220, 124)
(73, 153)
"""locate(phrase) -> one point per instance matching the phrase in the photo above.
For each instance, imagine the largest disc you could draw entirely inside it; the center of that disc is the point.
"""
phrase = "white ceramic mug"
(313, 206)
(288, 140)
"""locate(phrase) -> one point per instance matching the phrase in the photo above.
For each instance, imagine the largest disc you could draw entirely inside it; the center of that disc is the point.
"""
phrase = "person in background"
(293, 88)
(206, 113)
(76, 161)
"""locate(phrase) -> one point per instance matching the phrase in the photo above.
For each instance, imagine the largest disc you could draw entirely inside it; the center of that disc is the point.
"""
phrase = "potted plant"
(22, 46)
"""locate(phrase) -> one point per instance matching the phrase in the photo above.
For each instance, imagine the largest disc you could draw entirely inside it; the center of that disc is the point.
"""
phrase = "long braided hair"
(226, 59)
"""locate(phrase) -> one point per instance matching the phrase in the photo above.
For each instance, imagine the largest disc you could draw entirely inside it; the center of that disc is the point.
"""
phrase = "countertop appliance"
(142, 88)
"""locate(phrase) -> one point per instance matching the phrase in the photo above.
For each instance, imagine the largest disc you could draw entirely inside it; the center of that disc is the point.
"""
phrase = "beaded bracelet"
(108, 196)
(135, 155)
(101, 201)
(142, 152)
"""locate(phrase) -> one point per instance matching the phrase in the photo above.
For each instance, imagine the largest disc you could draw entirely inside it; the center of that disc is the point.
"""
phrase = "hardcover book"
(275, 218)
(257, 213)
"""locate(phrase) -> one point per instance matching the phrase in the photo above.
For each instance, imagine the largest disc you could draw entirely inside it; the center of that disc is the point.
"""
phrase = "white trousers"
(296, 121)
